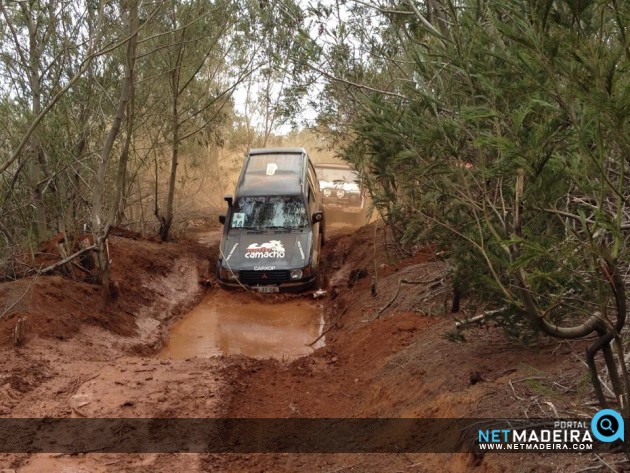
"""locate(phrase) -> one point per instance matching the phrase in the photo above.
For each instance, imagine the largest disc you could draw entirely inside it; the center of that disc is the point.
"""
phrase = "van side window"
(311, 181)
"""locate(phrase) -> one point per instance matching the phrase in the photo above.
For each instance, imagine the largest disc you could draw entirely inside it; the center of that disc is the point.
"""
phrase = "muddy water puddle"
(225, 324)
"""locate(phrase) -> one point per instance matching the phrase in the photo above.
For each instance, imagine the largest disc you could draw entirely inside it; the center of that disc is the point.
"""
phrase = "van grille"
(264, 277)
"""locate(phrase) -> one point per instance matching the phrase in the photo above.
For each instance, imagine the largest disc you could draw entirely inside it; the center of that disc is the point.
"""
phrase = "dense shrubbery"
(509, 145)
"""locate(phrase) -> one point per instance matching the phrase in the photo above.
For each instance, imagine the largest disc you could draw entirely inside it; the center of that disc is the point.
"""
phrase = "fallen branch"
(606, 464)
(72, 390)
(478, 319)
(67, 260)
(333, 325)
(8, 307)
(432, 282)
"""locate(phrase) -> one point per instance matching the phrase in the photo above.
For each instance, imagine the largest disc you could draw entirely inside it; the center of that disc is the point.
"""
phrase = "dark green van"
(274, 224)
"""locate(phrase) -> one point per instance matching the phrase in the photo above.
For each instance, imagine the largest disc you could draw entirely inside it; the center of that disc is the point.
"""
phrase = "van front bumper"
(290, 286)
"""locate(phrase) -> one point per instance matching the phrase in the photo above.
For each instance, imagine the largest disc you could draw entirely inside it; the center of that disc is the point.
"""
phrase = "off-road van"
(342, 191)
(274, 224)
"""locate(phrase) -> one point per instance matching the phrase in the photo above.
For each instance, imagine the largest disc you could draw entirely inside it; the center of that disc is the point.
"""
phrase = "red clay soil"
(56, 307)
(79, 357)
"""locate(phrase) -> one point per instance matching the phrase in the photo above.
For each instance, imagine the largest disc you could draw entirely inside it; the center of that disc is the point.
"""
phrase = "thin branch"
(355, 84)
(183, 27)
(480, 318)
(401, 281)
(83, 68)
(424, 21)
(67, 260)
(17, 301)
(622, 226)
(333, 325)
(384, 10)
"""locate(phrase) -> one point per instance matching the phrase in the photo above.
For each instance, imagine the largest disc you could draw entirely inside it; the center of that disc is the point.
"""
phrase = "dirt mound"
(55, 307)
(148, 275)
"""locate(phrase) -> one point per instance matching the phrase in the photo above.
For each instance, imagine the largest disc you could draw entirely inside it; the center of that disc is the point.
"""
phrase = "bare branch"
(87, 61)
(67, 260)
(425, 22)
(356, 84)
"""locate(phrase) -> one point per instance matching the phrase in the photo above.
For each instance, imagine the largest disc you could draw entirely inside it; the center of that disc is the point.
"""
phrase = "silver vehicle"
(342, 191)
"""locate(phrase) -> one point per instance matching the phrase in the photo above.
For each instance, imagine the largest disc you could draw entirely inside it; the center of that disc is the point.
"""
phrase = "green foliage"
(47, 188)
(507, 143)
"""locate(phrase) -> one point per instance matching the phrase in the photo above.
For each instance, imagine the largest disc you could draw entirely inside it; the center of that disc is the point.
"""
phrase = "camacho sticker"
(299, 245)
(271, 249)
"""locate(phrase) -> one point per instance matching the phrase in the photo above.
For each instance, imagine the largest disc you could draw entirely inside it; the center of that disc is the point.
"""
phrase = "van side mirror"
(318, 216)
(222, 219)
(229, 199)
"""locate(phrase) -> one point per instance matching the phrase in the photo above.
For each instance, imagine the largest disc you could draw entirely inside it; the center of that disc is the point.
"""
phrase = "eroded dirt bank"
(80, 359)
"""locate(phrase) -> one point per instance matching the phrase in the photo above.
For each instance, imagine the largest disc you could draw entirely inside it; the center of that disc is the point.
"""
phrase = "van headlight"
(297, 274)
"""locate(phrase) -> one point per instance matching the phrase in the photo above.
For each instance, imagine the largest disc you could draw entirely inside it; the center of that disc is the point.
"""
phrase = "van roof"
(333, 165)
(276, 151)
(273, 171)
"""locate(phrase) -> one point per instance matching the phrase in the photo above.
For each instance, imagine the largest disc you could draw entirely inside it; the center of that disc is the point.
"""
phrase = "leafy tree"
(90, 103)
(504, 125)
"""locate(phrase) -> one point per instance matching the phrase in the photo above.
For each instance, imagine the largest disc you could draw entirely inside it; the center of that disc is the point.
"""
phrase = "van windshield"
(336, 174)
(263, 212)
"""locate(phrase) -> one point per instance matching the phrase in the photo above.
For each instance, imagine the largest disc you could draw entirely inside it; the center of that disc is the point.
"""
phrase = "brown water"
(227, 323)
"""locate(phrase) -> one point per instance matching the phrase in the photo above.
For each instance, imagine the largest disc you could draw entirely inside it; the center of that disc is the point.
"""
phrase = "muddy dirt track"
(173, 345)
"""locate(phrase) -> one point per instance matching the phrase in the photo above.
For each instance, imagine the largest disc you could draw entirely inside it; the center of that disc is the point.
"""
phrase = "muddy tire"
(320, 279)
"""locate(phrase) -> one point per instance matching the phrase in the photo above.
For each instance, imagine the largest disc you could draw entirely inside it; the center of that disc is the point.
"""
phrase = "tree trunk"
(167, 220)
(101, 220)
(117, 209)
(35, 166)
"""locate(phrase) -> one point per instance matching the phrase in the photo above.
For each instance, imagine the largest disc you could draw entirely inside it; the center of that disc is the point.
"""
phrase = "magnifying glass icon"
(606, 424)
